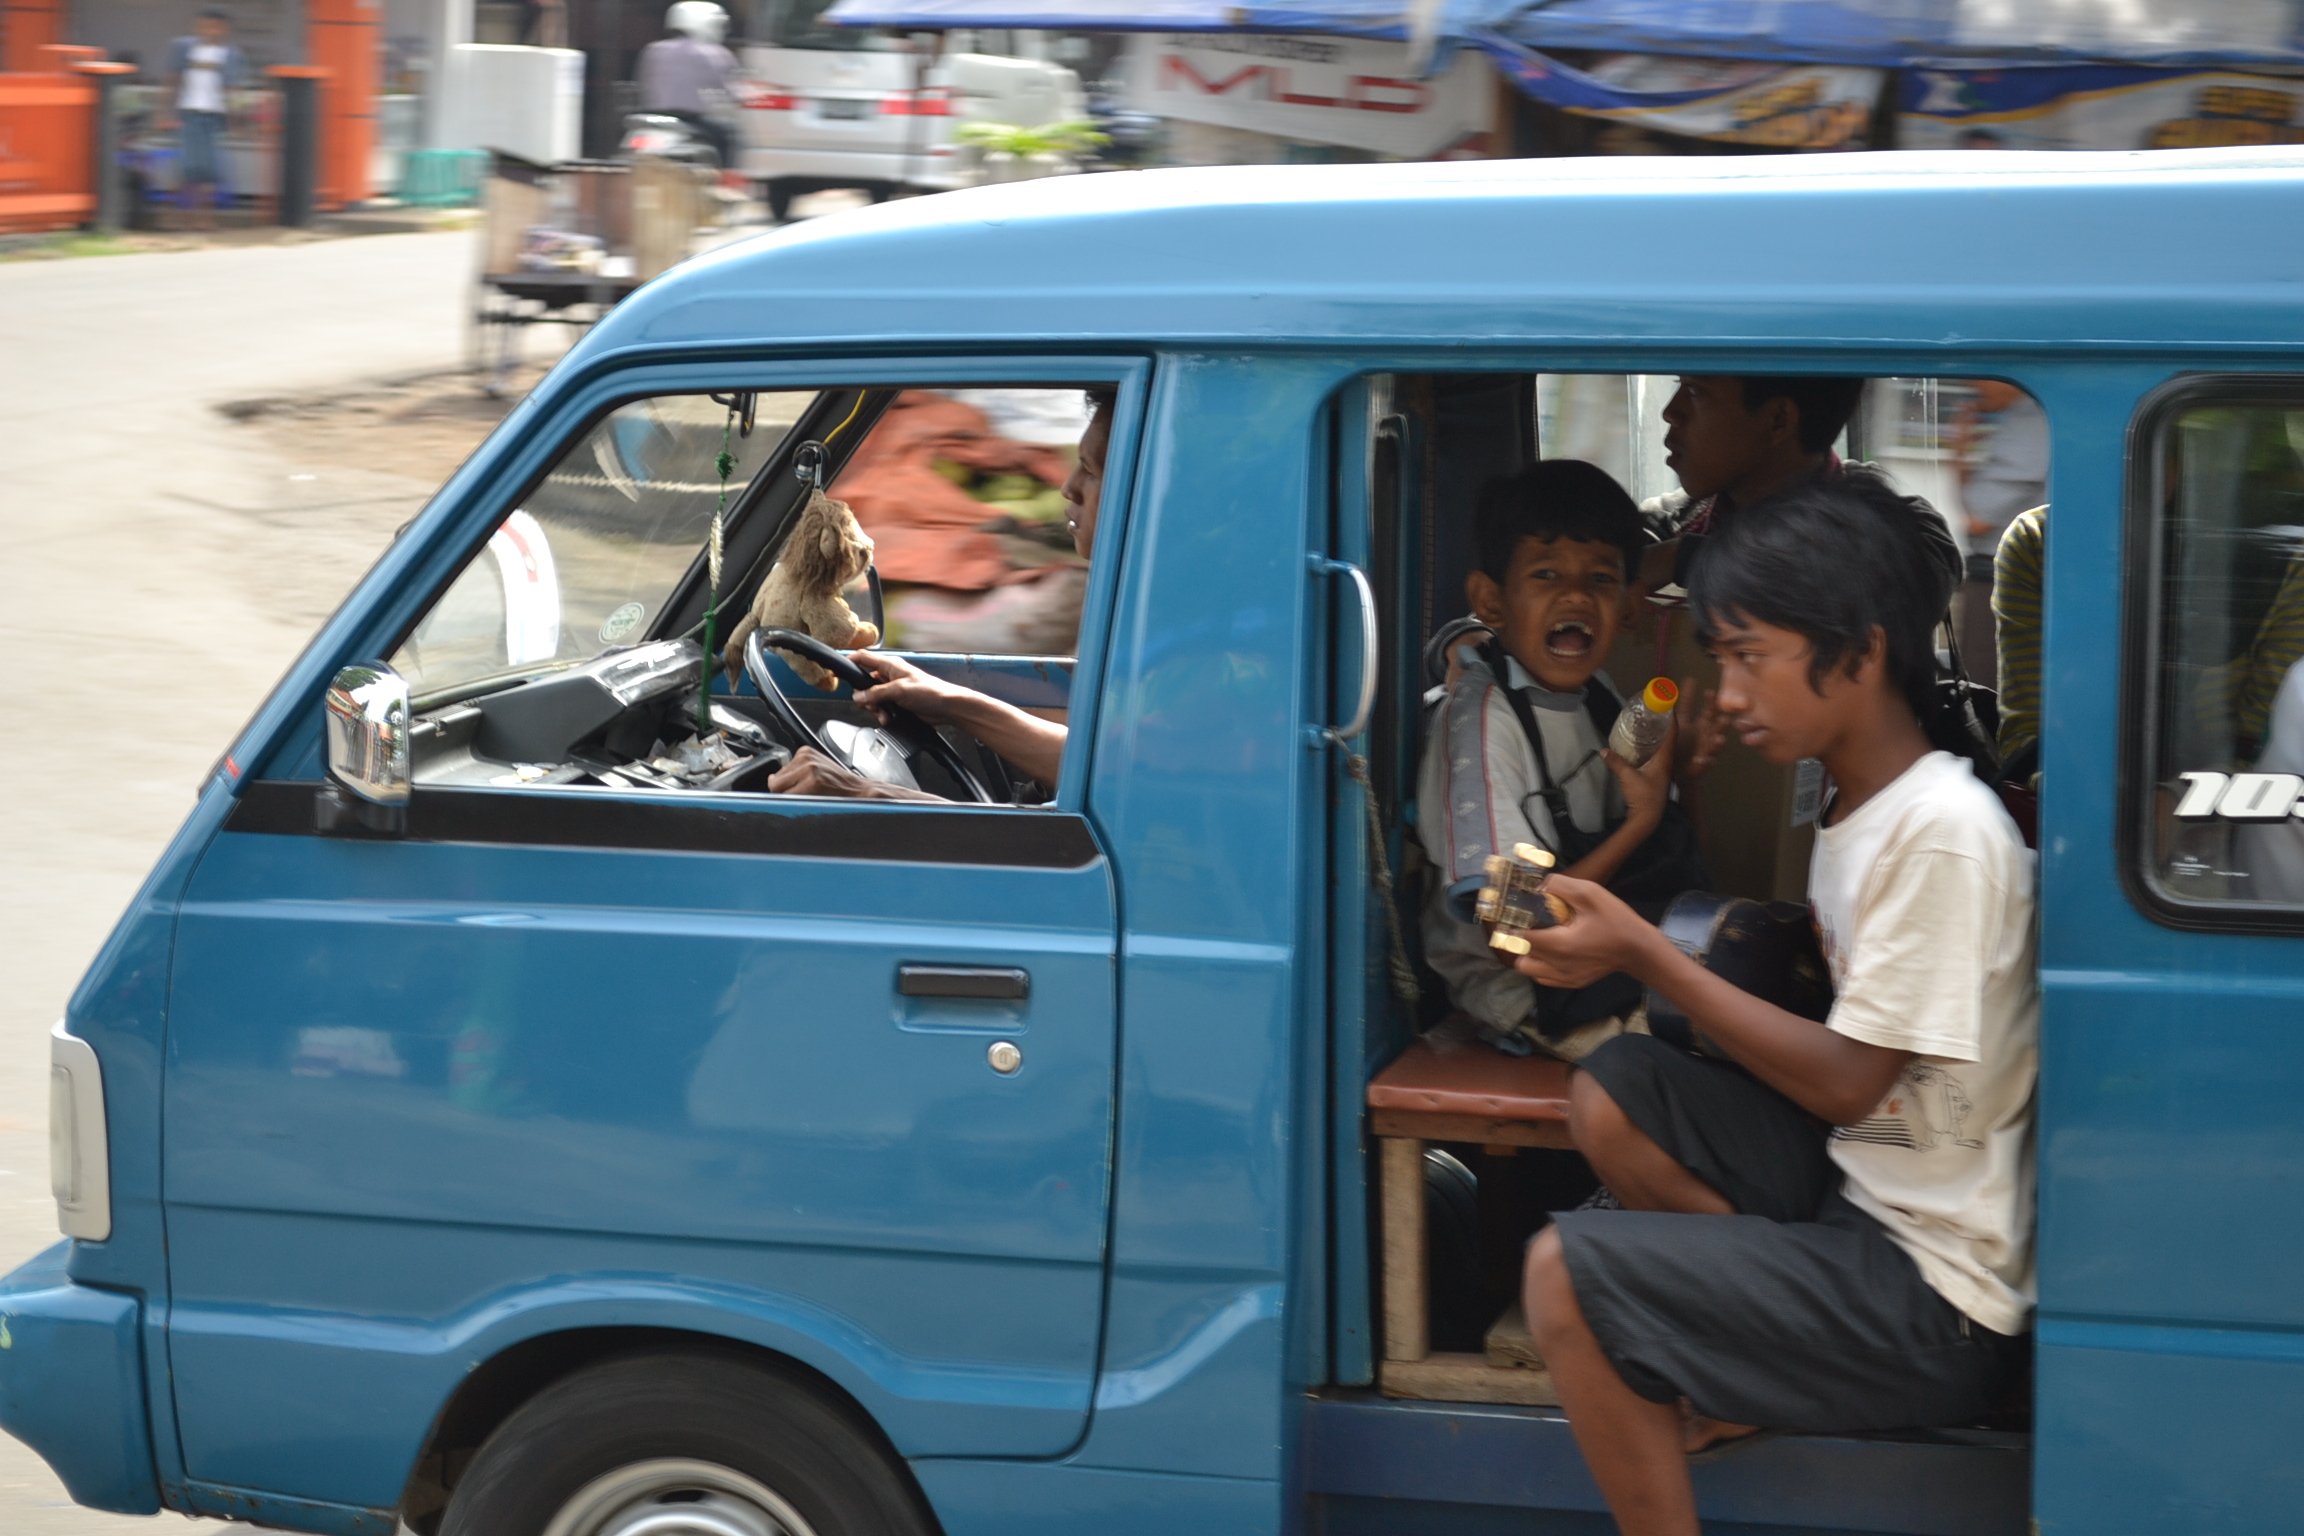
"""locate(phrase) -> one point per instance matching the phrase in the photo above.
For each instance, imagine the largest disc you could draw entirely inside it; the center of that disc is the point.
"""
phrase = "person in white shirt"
(1830, 1229)
(202, 70)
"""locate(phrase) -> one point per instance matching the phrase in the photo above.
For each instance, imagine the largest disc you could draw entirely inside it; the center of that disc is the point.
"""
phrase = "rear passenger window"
(2222, 484)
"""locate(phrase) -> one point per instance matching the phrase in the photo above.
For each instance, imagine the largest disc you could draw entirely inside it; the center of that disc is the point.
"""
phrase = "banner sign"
(1350, 92)
(2098, 107)
(1799, 106)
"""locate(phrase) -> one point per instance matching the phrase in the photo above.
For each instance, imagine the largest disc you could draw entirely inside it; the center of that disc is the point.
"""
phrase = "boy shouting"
(1831, 1231)
(1516, 752)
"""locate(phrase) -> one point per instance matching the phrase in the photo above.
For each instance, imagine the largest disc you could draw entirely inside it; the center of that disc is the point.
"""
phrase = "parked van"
(498, 1113)
(829, 106)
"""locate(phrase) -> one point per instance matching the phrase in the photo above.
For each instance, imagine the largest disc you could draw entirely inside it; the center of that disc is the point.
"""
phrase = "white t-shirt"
(1923, 899)
(203, 78)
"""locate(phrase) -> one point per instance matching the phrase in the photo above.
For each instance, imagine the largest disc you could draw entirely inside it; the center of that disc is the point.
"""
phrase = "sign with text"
(2098, 107)
(1313, 90)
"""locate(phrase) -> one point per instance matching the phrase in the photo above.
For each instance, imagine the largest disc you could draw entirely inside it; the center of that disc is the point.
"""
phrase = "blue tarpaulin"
(1459, 19)
(1885, 34)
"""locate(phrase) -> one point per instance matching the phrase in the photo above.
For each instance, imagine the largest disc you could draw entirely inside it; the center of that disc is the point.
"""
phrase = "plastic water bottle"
(1639, 730)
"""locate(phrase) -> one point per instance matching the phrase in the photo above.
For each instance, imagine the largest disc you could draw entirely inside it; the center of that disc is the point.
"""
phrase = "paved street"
(162, 565)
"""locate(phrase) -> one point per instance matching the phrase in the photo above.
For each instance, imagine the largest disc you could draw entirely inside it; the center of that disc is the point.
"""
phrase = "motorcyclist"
(690, 74)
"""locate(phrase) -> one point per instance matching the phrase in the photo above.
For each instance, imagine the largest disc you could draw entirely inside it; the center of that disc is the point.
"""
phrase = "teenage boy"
(1735, 440)
(1516, 749)
(1832, 1229)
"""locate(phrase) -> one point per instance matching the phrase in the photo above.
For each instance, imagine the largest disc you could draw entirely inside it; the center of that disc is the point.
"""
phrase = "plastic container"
(1639, 730)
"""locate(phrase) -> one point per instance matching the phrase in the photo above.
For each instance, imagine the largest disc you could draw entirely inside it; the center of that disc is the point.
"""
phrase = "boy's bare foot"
(1699, 1433)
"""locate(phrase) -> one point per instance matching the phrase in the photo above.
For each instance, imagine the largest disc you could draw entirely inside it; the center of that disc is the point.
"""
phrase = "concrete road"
(159, 567)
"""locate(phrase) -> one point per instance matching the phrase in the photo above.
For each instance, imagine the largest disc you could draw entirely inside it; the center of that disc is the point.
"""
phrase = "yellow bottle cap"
(1660, 695)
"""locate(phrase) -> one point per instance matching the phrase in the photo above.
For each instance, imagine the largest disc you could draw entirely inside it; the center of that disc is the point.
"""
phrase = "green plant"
(1045, 139)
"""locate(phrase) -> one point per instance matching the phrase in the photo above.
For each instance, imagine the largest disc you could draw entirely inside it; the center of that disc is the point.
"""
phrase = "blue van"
(498, 1114)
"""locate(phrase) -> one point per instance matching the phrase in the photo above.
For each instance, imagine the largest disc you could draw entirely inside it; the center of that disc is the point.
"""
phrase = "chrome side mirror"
(368, 756)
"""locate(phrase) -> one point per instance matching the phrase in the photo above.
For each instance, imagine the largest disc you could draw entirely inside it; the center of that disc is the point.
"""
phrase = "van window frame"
(2146, 526)
(472, 512)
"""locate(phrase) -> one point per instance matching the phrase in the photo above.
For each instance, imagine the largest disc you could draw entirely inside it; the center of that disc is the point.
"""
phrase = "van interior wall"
(1483, 426)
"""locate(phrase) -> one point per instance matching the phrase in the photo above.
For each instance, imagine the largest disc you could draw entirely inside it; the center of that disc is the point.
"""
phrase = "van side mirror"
(368, 754)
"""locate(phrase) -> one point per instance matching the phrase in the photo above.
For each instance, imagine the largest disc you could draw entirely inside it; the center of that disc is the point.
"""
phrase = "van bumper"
(935, 168)
(72, 1384)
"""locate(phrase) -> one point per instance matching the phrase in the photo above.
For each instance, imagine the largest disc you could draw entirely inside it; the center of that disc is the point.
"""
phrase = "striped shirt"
(2278, 644)
(2016, 579)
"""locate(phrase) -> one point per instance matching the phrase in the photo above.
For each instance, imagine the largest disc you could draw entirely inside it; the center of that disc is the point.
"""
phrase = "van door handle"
(1365, 705)
(1003, 983)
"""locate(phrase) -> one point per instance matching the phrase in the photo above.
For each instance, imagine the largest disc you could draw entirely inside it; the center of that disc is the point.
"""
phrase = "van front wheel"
(698, 1445)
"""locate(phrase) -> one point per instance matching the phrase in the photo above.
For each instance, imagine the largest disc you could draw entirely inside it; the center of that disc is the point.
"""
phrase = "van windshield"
(587, 561)
(801, 24)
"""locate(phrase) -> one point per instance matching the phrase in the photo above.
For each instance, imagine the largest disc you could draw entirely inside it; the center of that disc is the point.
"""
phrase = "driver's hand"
(812, 773)
(904, 686)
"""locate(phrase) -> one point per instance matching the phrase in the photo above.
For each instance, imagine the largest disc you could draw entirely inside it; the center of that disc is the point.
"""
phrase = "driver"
(1032, 745)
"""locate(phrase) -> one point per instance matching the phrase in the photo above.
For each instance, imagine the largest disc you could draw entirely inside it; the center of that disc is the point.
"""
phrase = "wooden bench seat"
(1447, 1086)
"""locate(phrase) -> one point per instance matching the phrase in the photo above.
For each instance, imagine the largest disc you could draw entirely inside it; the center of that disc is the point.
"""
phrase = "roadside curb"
(73, 245)
(396, 219)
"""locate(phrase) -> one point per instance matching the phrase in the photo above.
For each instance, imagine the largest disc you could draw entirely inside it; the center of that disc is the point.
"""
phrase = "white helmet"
(700, 19)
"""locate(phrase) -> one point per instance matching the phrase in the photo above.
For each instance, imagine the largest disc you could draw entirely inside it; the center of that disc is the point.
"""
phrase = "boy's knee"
(1547, 1292)
(1594, 1118)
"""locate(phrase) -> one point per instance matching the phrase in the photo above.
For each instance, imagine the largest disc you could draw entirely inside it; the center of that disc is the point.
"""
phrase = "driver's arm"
(812, 773)
(1029, 743)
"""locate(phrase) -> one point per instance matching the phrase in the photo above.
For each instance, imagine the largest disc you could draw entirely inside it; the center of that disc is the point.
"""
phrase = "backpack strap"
(1555, 797)
(1601, 703)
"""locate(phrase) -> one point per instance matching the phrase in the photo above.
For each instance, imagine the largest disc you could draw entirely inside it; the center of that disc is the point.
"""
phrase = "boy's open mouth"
(1572, 640)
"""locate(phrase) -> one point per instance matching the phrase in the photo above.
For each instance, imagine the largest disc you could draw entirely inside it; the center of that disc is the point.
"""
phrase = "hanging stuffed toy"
(826, 552)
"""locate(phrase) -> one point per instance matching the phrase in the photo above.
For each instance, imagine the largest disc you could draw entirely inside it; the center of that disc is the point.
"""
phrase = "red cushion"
(1450, 1077)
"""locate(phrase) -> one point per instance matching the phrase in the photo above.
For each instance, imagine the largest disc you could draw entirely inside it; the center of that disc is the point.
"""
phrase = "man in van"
(1735, 440)
(1032, 745)
(1830, 1229)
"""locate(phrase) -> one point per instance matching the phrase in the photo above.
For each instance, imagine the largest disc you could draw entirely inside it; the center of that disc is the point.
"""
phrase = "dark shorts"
(1797, 1313)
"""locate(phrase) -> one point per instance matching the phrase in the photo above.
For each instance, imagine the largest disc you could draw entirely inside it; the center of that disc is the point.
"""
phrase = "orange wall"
(47, 144)
(27, 26)
(342, 37)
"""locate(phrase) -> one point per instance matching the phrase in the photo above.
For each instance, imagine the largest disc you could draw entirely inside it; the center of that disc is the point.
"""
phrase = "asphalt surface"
(159, 568)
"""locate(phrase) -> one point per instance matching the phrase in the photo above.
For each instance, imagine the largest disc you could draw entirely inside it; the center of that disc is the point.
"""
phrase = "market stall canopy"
(1892, 34)
(1882, 34)
(1456, 20)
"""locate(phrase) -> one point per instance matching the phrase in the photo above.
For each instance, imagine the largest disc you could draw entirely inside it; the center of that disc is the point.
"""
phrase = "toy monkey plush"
(826, 551)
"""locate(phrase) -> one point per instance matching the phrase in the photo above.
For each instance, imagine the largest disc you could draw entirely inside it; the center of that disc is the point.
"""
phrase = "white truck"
(826, 106)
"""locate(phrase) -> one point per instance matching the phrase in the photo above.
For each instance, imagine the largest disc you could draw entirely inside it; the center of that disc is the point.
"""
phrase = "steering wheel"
(907, 727)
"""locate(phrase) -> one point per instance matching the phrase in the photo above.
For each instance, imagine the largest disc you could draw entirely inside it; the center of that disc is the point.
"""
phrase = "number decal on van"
(2239, 796)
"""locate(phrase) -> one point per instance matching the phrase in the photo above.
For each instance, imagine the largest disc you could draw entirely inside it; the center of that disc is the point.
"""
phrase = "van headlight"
(79, 1153)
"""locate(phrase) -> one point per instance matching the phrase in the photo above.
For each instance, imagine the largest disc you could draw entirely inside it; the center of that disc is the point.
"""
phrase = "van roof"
(1974, 251)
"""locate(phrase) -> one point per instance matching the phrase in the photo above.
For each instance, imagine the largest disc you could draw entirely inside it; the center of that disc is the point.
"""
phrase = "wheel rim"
(677, 1497)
